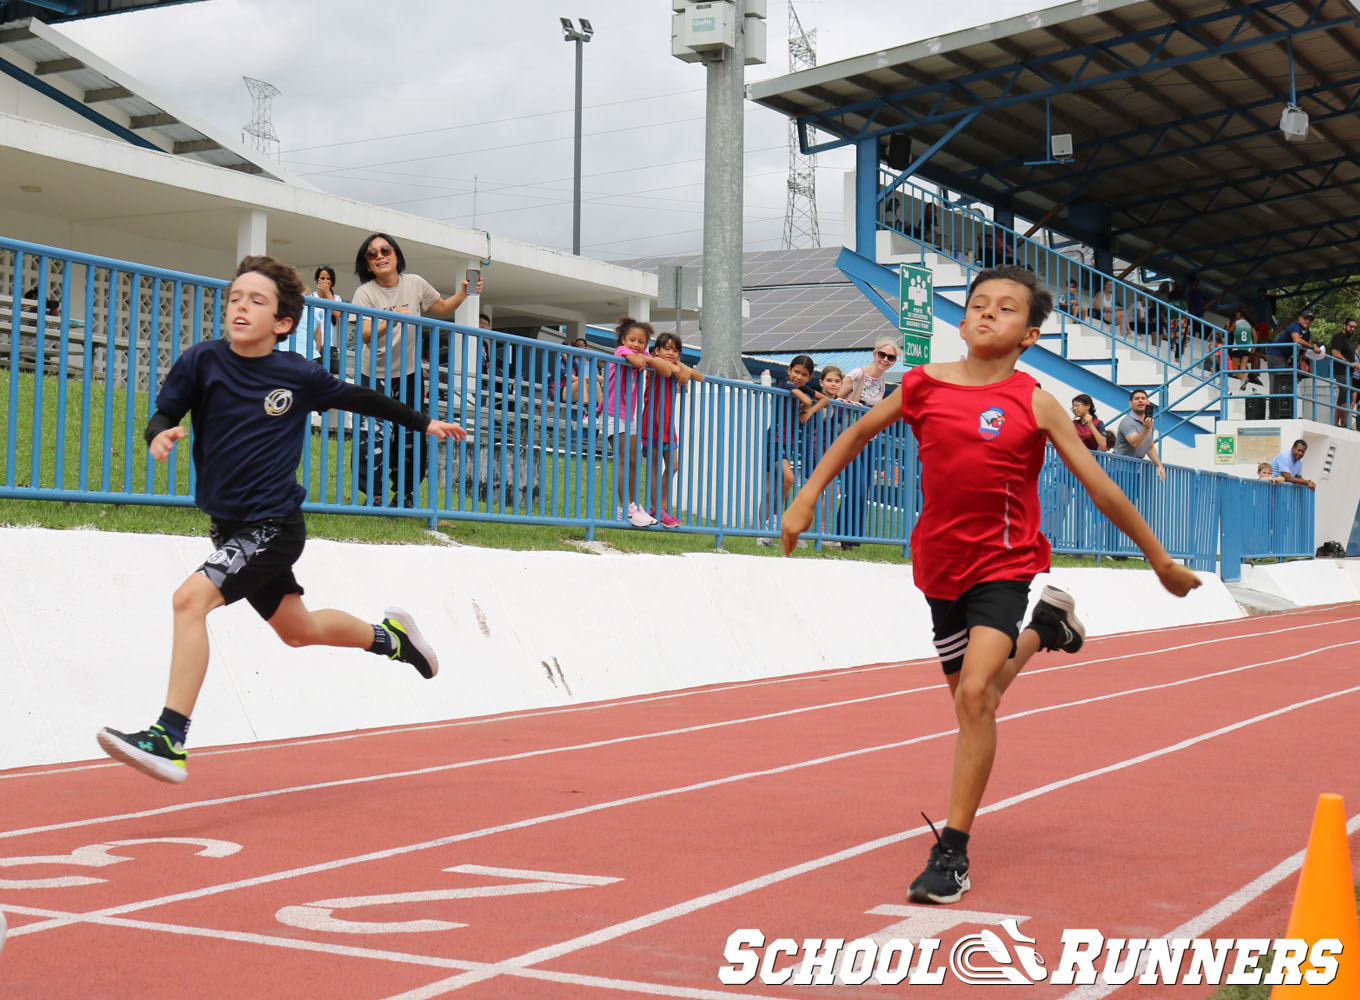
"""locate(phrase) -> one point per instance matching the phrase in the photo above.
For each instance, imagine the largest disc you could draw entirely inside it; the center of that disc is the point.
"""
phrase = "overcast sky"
(417, 104)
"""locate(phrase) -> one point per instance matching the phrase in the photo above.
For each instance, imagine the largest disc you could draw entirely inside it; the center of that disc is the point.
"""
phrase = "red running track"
(1158, 783)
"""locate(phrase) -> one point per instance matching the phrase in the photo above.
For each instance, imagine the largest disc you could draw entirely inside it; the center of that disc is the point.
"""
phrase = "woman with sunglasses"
(863, 387)
(391, 353)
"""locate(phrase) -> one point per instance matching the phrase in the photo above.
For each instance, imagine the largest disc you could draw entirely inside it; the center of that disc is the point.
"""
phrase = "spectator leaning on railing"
(1289, 465)
(1345, 371)
(1281, 352)
(381, 266)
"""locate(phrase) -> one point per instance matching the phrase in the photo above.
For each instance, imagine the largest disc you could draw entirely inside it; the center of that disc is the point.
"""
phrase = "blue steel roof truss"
(1225, 117)
(1260, 249)
(1165, 222)
(835, 122)
(1213, 193)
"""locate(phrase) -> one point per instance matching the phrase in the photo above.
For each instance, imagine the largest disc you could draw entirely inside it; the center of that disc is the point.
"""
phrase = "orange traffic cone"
(1324, 905)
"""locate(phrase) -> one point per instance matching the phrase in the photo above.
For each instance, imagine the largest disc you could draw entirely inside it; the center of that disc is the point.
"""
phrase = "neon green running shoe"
(149, 751)
(411, 645)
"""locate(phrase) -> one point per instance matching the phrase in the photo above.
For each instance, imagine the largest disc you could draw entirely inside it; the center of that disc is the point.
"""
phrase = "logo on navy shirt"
(990, 421)
(278, 402)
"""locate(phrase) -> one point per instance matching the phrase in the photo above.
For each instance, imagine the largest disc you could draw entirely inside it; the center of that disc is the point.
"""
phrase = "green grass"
(121, 458)
(1261, 992)
(385, 530)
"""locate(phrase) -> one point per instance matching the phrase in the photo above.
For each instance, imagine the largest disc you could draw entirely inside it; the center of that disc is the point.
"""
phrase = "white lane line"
(1216, 914)
(246, 937)
(669, 695)
(483, 720)
(652, 796)
(386, 955)
(512, 966)
(681, 731)
(477, 762)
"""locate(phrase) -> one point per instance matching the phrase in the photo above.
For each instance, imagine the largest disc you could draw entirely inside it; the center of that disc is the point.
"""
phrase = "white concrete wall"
(22, 100)
(103, 241)
(1306, 581)
(85, 632)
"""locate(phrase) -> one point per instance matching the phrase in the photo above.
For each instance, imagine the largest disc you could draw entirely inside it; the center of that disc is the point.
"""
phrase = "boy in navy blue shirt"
(250, 406)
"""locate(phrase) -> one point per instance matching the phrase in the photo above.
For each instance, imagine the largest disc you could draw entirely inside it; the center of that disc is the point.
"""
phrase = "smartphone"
(474, 275)
(1151, 410)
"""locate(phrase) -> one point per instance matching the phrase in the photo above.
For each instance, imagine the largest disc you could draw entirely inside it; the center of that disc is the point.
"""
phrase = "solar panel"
(799, 301)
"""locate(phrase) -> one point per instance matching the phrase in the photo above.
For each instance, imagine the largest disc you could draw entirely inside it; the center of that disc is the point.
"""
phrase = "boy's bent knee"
(294, 624)
(295, 634)
(296, 638)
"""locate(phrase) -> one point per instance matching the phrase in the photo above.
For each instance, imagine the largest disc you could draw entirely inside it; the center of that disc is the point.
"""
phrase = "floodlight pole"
(724, 142)
(580, 37)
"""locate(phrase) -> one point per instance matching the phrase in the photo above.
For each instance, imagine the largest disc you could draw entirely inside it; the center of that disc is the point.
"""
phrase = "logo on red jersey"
(990, 421)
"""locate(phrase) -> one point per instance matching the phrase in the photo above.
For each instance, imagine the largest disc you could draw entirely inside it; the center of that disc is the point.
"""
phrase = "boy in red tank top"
(980, 428)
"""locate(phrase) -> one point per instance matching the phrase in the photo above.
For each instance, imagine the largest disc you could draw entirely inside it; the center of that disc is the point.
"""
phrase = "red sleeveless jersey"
(980, 452)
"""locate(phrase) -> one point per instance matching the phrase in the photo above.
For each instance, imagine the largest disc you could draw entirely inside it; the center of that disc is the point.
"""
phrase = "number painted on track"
(98, 856)
(319, 914)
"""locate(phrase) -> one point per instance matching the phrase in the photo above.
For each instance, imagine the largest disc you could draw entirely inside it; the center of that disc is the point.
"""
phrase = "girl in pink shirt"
(660, 441)
(623, 380)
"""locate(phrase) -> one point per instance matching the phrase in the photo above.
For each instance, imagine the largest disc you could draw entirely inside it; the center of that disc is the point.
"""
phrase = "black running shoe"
(945, 879)
(149, 751)
(1057, 610)
(411, 645)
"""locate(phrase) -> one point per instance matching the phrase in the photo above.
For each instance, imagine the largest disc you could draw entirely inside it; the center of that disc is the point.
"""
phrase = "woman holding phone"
(326, 328)
(391, 352)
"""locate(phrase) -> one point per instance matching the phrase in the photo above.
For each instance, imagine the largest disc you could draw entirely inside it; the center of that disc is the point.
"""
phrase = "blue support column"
(1232, 529)
(866, 197)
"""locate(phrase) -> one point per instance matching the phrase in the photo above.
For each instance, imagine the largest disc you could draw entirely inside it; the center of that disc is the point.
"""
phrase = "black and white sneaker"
(411, 645)
(945, 879)
(149, 751)
(1056, 621)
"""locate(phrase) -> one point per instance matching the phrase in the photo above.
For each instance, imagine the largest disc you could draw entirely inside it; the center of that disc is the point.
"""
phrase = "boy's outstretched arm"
(162, 431)
(849, 443)
(369, 403)
(1054, 421)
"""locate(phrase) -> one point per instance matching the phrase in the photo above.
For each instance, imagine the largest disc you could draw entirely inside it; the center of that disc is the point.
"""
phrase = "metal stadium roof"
(73, 10)
(53, 65)
(1174, 111)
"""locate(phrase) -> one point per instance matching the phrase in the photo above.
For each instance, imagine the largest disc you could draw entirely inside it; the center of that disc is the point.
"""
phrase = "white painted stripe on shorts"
(951, 644)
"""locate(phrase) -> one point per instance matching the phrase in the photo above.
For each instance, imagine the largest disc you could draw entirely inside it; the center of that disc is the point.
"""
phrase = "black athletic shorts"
(254, 560)
(998, 604)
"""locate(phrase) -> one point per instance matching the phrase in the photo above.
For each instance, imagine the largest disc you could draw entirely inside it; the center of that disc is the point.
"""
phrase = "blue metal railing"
(1135, 320)
(553, 430)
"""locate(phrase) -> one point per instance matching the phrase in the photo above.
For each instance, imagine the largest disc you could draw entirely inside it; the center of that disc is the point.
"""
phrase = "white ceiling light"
(1294, 123)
